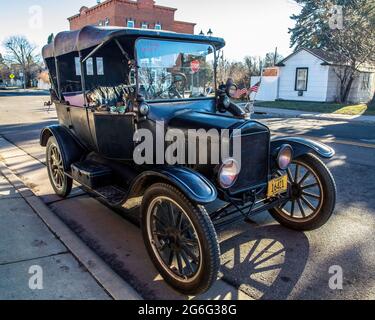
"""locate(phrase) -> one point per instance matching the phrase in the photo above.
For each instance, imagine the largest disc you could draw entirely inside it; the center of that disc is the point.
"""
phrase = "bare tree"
(355, 45)
(271, 59)
(4, 69)
(252, 65)
(223, 67)
(19, 51)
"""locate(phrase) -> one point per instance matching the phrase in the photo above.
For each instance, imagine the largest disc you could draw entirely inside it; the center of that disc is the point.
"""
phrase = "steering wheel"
(177, 88)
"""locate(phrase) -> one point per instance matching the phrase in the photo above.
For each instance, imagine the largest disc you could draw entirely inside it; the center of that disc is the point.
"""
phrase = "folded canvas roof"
(92, 36)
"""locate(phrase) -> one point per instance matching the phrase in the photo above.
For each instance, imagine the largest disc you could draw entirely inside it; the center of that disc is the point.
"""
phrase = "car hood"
(202, 120)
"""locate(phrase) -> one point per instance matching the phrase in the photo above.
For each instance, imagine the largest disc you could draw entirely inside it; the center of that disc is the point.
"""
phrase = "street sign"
(195, 66)
(12, 76)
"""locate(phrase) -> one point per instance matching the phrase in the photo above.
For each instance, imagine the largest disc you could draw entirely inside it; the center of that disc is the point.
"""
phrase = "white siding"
(317, 78)
(268, 88)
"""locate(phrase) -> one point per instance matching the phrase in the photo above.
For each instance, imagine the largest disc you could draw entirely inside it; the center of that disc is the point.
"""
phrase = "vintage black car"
(110, 83)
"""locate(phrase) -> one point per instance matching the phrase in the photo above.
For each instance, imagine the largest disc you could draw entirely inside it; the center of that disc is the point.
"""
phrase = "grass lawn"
(321, 107)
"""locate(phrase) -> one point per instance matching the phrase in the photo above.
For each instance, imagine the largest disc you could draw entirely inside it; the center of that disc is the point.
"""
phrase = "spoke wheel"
(180, 239)
(306, 192)
(312, 195)
(174, 239)
(61, 184)
(56, 165)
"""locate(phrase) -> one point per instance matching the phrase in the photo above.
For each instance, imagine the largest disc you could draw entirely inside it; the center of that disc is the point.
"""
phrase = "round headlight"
(228, 173)
(284, 157)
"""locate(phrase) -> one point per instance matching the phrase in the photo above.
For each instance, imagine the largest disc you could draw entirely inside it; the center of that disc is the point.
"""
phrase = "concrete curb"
(106, 277)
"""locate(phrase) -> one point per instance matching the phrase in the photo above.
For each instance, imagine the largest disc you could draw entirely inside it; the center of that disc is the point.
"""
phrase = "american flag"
(255, 88)
(241, 92)
(244, 91)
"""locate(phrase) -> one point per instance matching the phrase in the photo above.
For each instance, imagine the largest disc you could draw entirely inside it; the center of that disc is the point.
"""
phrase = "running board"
(111, 194)
(98, 180)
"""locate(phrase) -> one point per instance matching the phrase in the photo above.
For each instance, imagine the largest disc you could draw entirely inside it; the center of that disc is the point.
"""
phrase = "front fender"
(71, 150)
(302, 146)
(195, 186)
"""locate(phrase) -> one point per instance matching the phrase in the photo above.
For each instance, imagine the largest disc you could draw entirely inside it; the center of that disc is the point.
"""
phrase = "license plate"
(277, 186)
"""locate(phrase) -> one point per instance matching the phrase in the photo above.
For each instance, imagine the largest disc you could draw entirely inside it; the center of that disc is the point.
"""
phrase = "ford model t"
(123, 95)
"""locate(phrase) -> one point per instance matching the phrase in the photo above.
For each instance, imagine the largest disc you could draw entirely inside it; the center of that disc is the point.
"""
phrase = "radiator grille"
(255, 161)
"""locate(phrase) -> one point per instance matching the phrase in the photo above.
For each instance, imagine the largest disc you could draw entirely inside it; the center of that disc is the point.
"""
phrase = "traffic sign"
(195, 66)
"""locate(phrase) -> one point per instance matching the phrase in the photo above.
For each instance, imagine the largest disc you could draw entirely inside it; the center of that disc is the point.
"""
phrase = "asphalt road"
(260, 260)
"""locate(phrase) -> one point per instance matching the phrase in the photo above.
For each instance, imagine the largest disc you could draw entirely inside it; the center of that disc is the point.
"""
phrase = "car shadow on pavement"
(265, 262)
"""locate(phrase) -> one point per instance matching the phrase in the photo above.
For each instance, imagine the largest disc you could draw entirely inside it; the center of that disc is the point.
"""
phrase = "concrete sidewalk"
(284, 113)
(29, 244)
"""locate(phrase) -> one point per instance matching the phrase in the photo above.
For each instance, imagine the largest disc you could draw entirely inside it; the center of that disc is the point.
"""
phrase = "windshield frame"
(137, 67)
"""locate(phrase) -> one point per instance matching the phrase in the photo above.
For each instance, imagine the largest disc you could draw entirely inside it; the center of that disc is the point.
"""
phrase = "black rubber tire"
(205, 231)
(329, 198)
(67, 182)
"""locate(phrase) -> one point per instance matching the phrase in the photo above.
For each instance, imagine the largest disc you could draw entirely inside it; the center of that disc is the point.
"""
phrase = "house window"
(130, 24)
(365, 85)
(101, 23)
(302, 75)
(107, 21)
(144, 25)
(157, 26)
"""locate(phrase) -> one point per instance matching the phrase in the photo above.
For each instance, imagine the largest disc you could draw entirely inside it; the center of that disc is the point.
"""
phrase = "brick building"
(132, 14)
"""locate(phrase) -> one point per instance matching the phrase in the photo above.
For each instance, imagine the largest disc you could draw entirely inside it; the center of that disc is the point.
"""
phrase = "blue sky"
(250, 27)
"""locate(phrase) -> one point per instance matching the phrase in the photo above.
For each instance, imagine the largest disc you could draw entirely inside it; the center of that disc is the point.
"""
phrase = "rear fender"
(303, 146)
(194, 186)
(71, 150)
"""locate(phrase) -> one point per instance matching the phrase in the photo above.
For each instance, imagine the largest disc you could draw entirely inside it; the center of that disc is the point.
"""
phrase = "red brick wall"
(118, 11)
(93, 15)
(183, 27)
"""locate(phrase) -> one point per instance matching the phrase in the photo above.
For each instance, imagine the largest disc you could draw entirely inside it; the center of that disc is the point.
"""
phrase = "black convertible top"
(91, 36)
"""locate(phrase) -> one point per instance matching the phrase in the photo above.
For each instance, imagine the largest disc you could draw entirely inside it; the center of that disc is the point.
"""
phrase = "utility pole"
(275, 57)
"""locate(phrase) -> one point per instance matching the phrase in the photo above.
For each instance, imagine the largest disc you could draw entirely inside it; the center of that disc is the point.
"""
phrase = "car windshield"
(169, 70)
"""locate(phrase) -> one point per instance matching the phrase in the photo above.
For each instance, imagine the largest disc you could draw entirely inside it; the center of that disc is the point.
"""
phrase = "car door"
(113, 134)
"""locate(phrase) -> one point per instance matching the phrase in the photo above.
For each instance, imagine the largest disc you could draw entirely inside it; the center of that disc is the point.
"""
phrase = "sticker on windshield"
(195, 66)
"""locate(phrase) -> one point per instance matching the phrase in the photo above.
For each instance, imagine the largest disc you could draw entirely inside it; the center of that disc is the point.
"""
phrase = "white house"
(309, 75)
(43, 81)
